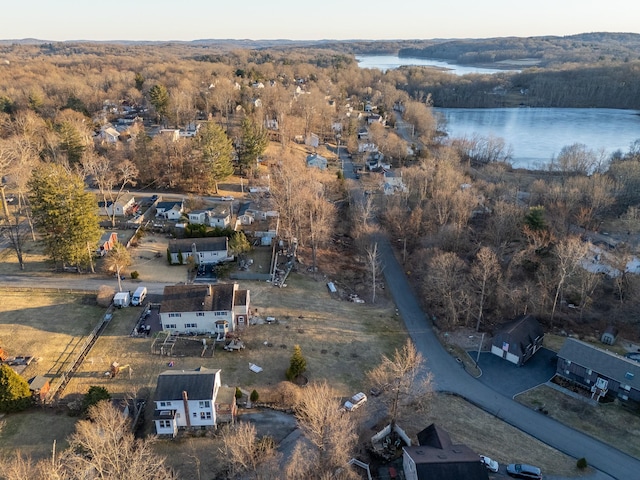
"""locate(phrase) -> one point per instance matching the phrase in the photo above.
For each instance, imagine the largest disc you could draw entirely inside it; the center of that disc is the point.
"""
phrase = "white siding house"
(208, 250)
(186, 400)
(204, 309)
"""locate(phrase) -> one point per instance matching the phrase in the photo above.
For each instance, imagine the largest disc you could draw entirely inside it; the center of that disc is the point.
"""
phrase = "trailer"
(122, 299)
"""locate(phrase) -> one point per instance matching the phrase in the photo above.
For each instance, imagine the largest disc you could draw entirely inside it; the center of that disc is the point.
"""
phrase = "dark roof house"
(518, 340)
(437, 457)
(600, 371)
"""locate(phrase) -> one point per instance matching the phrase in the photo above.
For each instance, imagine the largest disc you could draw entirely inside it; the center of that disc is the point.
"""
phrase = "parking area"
(509, 379)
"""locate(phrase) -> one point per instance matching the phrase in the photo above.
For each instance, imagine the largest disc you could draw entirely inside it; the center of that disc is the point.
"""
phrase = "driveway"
(509, 379)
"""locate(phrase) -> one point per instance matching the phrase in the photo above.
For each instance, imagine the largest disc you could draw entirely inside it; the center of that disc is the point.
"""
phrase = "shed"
(610, 335)
(39, 387)
(518, 340)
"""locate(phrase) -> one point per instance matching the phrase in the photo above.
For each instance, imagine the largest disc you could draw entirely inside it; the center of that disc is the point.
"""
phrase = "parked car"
(522, 470)
(355, 402)
(492, 465)
(228, 198)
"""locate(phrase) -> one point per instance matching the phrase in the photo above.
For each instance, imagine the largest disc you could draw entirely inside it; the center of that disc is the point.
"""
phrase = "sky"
(59, 20)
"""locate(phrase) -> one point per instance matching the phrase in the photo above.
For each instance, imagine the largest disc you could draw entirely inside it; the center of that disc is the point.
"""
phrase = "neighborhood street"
(450, 377)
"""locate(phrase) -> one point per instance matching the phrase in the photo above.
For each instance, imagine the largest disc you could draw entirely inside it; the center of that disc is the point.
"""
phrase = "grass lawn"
(32, 433)
(47, 326)
(609, 423)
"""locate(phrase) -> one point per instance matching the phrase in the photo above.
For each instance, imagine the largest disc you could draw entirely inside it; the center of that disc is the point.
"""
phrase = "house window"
(165, 404)
(589, 372)
(629, 376)
(190, 325)
(195, 414)
(205, 404)
(165, 423)
(205, 415)
(199, 314)
(627, 387)
(220, 314)
(174, 315)
(170, 326)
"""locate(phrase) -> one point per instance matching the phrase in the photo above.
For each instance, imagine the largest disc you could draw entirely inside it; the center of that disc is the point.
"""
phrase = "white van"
(138, 296)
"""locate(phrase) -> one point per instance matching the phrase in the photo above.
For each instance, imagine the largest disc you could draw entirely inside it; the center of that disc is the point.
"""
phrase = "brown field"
(610, 423)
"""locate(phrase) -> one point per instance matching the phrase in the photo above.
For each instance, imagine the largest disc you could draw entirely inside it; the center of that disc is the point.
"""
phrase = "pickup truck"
(355, 402)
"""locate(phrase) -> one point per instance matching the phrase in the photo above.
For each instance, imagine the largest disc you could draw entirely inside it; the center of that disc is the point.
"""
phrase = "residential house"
(317, 161)
(205, 251)
(518, 340)
(170, 210)
(219, 216)
(204, 309)
(392, 182)
(172, 133)
(375, 118)
(108, 134)
(312, 140)
(106, 243)
(436, 457)
(258, 222)
(185, 399)
(600, 371)
(121, 207)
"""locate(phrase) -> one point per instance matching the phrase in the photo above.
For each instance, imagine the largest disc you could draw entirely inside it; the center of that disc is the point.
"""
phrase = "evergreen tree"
(159, 98)
(217, 153)
(253, 143)
(71, 142)
(297, 365)
(238, 243)
(15, 395)
(65, 215)
(93, 396)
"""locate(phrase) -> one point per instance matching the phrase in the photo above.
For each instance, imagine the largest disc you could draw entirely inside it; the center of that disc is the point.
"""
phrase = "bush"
(254, 396)
(15, 395)
(169, 257)
(93, 396)
(135, 274)
(582, 463)
(238, 393)
(105, 295)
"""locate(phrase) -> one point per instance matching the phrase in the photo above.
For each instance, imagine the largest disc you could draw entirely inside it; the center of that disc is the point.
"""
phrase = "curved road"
(450, 377)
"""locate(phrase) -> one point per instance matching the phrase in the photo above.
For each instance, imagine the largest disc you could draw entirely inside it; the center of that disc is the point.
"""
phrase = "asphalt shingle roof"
(198, 384)
(198, 298)
(207, 244)
(602, 361)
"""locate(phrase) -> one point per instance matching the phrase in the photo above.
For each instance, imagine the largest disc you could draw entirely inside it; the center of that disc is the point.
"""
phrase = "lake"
(387, 62)
(536, 135)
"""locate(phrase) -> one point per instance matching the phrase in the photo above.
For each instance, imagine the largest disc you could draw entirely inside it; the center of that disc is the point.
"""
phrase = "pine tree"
(65, 215)
(216, 153)
(159, 98)
(15, 395)
(253, 143)
(297, 365)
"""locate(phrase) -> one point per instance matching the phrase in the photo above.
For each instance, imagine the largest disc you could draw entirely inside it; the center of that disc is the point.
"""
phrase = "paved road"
(450, 377)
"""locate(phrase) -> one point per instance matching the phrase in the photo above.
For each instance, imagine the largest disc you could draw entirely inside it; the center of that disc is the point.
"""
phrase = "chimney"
(185, 400)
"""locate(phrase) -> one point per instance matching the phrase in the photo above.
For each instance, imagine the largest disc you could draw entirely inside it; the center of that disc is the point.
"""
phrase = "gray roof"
(198, 298)
(198, 384)
(518, 333)
(437, 457)
(609, 364)
(164, 206)
(206, 244)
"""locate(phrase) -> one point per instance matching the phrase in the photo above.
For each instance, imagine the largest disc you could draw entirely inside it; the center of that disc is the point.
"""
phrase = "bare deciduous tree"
(331, 435)
(485, 274)
(374, 266)
(246, 455)
(569, 252)
(403, 379)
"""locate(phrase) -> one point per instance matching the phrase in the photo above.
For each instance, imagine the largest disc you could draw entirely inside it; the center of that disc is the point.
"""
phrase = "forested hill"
(581, 48)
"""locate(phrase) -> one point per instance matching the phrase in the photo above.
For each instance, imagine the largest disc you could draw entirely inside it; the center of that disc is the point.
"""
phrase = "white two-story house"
(186, 399)
(204, 309)
(208, 250)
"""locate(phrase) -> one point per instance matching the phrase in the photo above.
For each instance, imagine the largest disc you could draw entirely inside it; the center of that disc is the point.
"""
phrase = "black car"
(522, 470)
